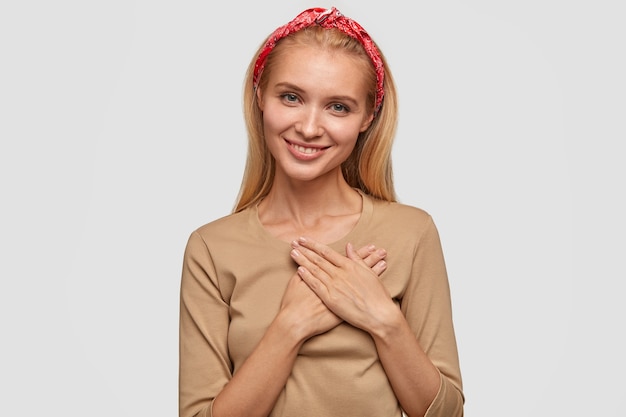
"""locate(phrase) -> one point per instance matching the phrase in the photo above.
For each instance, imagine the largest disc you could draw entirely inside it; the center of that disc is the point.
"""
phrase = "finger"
(380, 267)
(313, 263)
(321, 250)
(374, 261)
(313, 282)
(365, 251)
(376, 256)
(352, 254)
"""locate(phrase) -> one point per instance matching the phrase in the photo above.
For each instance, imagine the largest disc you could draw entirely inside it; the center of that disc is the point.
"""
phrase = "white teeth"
(302, 149)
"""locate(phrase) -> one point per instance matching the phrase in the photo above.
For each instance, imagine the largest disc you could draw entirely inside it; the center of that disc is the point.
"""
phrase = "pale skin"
(255, 387)
(314, 107)
(353, 292)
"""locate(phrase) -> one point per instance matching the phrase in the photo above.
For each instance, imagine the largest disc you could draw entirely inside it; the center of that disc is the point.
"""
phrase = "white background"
(121, 132)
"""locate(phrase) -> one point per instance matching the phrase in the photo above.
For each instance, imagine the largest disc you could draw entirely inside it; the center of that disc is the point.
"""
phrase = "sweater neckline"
(339, 245)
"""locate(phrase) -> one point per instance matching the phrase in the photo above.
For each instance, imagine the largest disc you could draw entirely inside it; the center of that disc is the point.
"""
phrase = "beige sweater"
(234, 275)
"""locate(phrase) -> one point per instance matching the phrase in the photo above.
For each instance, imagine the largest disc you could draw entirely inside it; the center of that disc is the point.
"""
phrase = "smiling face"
(314, 106)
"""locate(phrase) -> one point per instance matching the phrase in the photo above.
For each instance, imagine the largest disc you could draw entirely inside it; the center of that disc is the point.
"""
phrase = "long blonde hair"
(368, 168)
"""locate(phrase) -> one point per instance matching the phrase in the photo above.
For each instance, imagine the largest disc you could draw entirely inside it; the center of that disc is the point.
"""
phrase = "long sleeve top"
(234, 276)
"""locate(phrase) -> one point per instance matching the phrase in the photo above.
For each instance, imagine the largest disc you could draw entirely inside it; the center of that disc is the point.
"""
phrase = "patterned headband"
(326, 18)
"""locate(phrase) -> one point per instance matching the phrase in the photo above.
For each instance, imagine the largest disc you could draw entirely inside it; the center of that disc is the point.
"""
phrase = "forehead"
(316, 68)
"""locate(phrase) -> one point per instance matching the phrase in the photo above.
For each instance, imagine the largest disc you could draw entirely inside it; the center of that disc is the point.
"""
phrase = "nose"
(309, 124)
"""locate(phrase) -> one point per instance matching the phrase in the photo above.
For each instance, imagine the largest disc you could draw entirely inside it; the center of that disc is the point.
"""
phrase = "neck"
(306, 201)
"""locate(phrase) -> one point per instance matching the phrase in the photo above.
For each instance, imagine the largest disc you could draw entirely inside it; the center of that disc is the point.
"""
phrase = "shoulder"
(399, 213)
(401, 221)
(221, 228)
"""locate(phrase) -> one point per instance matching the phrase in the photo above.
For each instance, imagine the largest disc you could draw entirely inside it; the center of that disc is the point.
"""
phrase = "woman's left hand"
(347, 286)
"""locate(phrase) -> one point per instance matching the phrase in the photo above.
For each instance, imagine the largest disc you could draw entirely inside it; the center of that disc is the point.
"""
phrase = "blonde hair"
(368, 168)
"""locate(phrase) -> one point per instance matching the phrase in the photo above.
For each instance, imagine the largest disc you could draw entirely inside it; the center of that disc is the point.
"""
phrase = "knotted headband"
(326, 18)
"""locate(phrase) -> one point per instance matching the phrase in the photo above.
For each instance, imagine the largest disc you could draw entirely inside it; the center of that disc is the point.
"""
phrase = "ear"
(367, 122)
(259, 98)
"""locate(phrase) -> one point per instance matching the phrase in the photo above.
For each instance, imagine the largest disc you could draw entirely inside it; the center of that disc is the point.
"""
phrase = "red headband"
(326, 18)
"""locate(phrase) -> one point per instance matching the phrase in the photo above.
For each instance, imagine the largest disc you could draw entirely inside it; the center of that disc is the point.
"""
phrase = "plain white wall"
(121, 132)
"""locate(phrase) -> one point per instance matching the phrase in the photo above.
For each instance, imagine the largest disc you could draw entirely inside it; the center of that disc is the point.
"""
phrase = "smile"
(306, 153)
(302, 149)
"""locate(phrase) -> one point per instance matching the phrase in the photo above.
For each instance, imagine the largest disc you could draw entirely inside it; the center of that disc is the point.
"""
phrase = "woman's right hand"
(301, 316)
(308, 315)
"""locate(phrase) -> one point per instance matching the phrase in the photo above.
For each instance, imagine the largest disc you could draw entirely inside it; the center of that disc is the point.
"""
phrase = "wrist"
(389, 323)
(292, 330)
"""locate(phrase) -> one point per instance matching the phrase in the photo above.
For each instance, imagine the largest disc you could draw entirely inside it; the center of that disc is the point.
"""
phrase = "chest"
(254, 288)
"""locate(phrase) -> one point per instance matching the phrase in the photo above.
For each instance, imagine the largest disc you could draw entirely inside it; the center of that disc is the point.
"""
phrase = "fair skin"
(314, 107)
(313, 114)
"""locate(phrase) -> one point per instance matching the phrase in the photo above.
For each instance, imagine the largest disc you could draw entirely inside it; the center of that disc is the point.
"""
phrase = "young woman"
(281, 314)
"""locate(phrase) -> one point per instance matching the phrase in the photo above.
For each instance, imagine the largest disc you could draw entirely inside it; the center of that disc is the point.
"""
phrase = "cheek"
(347, 135)
(272, 120)
(272, 129)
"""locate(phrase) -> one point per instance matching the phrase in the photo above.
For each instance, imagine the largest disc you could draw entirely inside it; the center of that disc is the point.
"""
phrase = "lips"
(305, 152)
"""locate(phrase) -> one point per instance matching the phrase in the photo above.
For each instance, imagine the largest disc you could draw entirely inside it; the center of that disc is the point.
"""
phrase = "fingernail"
(294, 244)
(295, 253)
(302, 239)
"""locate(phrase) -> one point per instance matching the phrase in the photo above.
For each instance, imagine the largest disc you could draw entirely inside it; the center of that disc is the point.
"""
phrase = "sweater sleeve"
(427, 307)
(204, 363)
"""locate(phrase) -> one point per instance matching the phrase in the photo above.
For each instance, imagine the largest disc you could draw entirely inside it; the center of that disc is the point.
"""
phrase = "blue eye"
(340, 108)
(289, 97)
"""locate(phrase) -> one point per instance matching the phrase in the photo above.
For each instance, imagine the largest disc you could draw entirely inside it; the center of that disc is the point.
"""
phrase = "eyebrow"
(289, 86)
